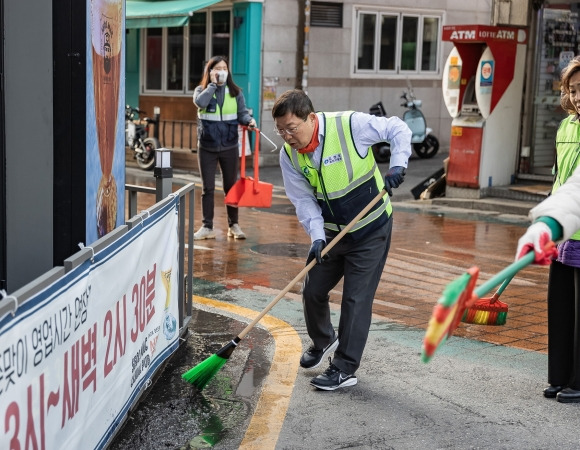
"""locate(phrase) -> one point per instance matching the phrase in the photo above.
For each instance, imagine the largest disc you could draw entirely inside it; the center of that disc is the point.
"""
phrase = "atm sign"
(482, 33)
(456, 131)
(470, 35)
(463, 35)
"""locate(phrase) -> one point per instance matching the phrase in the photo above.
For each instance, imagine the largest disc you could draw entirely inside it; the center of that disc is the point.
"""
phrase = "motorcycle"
(137, 137)
(425, 144)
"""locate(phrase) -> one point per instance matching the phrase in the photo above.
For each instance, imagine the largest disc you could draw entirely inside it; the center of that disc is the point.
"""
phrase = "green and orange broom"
(488, 310)
(201, 374)
(460, 295)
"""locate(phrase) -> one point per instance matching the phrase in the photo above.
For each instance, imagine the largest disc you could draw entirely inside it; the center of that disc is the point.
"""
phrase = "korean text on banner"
(75, 356)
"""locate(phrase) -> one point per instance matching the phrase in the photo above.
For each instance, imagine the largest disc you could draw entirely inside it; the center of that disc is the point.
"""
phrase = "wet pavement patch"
(209, 288)
(285, 209)
(175, 415)
(286, 249)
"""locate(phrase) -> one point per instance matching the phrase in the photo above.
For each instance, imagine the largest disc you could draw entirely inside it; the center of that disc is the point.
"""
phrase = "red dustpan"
(250, 191)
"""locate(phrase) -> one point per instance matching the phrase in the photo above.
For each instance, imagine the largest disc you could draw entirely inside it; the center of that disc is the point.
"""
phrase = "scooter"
(425, 144)
(137, 137)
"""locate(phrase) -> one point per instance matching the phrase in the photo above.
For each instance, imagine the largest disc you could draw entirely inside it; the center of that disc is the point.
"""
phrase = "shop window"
(409, 43)
(220, 33)
(430, 44)
(560, 32)
(177, 54)
(153, 59)
(197, 46)
(392, 42)
(174, 59)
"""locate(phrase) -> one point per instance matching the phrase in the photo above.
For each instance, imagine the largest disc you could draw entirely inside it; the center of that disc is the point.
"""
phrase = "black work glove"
(394, 177)
(316, 251)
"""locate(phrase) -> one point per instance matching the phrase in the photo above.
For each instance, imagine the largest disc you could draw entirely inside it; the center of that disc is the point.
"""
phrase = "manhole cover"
(288, 249)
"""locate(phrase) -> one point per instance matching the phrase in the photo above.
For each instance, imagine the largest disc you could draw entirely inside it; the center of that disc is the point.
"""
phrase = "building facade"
(345, 54)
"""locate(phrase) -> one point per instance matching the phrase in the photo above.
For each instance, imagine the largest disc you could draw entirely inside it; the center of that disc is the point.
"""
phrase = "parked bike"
(137, 137)
(425, 144)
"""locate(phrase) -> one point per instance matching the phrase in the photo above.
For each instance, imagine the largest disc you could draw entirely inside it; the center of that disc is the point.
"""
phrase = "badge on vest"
(332, 159)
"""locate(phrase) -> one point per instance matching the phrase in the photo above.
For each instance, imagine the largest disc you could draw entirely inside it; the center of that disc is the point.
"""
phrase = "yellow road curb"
(268, 417)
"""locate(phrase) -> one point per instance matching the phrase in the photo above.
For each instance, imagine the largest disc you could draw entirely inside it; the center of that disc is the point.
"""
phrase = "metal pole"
(305, 60)
(157, 118)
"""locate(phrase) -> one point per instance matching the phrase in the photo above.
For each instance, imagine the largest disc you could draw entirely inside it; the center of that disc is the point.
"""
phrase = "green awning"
(162, 13)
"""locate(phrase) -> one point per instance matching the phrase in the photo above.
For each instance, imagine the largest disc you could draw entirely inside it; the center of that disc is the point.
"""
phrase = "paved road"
(475, 392)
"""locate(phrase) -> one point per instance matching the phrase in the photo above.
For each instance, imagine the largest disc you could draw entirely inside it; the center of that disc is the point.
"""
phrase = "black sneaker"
(333, 378)
(312, 357)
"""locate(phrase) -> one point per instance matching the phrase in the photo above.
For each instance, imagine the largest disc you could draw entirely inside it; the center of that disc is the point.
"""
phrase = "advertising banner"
(75, 357)
(105, 100)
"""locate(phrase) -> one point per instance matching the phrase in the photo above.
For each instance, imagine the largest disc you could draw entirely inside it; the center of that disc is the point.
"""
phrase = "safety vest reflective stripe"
(294, 156)
(343, 146)
(337, 194)
(216, 117)
(364, 221)
(227, 113)
(347, 164)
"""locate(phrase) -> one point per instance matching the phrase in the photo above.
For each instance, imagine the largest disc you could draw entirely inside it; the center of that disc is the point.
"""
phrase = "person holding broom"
(330, 175)
(558, 218)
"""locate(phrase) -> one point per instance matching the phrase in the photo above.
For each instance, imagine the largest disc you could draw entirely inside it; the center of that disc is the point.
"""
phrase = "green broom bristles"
(201, 374)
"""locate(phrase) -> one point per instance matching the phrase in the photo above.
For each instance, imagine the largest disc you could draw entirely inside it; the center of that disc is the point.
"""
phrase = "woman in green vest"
(221, 108)
(564, 280)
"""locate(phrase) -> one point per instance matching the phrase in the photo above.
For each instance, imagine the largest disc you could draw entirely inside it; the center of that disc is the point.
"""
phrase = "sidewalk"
(482, 389)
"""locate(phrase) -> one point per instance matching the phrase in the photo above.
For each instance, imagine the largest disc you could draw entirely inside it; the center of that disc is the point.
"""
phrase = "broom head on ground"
(460, 295)
(486, 311)
(201, 374)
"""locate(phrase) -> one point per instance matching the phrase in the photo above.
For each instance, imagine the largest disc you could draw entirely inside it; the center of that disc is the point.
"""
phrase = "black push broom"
(201, 374)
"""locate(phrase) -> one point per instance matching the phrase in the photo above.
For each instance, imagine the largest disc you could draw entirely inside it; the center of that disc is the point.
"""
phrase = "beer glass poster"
(105, 99)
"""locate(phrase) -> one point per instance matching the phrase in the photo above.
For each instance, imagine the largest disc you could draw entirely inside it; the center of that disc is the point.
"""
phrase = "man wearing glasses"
(330, 175)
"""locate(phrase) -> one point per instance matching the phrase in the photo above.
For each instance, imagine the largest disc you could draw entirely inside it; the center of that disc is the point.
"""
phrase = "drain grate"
(289, 249)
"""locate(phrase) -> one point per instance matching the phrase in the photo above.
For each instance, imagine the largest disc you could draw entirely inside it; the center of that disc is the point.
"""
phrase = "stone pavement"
(484, 385)
(428, 251)
(432, 244)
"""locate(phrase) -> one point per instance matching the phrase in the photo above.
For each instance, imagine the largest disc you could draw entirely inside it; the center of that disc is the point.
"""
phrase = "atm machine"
(482, 89)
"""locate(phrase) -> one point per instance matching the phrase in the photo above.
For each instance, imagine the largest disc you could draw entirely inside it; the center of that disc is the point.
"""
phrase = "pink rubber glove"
(538, 238)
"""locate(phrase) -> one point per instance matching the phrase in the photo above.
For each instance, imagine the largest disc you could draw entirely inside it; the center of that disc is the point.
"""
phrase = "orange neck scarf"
(314, 141)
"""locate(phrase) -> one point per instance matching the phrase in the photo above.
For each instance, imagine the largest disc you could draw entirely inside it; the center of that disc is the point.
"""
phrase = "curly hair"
(572, 68)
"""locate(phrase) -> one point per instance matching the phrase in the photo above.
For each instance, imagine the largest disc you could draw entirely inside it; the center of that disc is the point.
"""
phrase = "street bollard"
(163, 173)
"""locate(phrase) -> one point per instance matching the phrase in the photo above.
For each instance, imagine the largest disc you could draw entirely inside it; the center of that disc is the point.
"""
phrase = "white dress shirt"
(366, 130)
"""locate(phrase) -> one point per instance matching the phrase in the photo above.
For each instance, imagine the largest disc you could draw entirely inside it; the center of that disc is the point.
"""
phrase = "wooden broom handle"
(310, 265)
